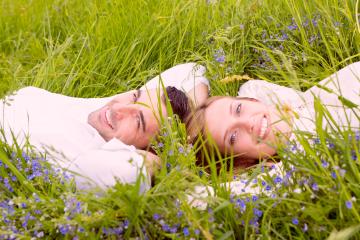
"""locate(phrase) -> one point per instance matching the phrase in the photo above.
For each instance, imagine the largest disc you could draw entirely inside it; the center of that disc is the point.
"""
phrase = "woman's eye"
(238, 109)
(232, 138)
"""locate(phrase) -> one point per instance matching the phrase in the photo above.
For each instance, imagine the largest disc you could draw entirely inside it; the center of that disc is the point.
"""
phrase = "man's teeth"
(107, 117)
(264, 126)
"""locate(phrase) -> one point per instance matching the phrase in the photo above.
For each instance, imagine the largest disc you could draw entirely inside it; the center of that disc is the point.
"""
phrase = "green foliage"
(99, 48)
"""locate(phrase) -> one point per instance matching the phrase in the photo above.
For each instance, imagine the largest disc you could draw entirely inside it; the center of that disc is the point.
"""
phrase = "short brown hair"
(199, 137)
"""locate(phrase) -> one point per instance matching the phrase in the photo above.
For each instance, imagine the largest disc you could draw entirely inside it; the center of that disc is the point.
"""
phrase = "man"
(102, 139)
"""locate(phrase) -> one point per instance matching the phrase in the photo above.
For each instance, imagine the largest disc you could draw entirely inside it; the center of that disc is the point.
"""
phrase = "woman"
(251, 126)
(102, 139)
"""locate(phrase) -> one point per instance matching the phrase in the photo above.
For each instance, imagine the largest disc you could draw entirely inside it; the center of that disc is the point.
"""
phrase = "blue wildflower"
(156, 216)
(277, 180)
(179, 214)
(197, 231)
(263, 183)
(126, 223)
(186, 231)
(268, 188)
(7, 185)
(324, 163)
(168, 166)
(357, 135)
(348, 204)
(255, 198)
(171, 152)
(241, 204)
(173, 229)
(333, 175)
(295, 221)
(37, 211)
(160, 145)
(166, 228)
(315, 186)
(257, 212)
(181, 150)
(219, 55)
(64, 229)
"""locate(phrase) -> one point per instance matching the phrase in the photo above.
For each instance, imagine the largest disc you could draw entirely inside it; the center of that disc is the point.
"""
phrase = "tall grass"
(99, 48)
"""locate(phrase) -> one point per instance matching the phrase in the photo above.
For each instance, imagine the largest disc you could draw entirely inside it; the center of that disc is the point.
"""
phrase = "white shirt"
(57, 125)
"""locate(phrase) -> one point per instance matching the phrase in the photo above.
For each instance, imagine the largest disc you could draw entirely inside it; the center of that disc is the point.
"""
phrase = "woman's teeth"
(264, 126)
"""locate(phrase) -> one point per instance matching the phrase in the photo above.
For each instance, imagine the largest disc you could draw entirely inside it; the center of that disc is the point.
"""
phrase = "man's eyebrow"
(142, 119)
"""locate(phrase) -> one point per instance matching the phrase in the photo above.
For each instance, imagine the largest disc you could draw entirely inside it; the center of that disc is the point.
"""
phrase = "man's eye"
(232, 138)
(138, 121)
(238, 109)
(135, 97)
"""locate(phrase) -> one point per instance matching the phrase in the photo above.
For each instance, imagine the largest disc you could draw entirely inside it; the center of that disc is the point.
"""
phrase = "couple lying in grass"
(106, 140)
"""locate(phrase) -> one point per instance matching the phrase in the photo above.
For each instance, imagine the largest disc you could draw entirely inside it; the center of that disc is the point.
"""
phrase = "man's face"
(244, 127)
(132, 117)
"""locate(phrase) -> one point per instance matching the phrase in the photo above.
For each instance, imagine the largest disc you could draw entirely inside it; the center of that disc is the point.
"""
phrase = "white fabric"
(345, 82)
(57, 124)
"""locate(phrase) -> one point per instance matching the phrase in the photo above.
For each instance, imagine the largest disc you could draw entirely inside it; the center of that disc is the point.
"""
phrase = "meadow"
(99, 48)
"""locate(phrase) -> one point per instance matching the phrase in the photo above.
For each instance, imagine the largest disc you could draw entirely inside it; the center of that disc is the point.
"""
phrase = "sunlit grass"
(99, 48)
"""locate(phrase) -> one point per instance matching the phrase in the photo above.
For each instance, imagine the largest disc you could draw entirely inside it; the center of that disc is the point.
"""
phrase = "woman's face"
(244, 127)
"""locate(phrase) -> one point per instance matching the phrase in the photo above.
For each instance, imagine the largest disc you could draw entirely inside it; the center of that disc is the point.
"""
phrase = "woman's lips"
(264, 128)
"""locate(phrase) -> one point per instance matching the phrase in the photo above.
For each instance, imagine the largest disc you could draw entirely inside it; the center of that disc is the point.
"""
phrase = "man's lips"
(106, 116)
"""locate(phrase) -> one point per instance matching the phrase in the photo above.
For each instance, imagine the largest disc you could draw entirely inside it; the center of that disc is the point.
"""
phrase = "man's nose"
(124, 112)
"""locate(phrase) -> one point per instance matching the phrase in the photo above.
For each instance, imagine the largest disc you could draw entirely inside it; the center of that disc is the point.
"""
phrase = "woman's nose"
(244, 123)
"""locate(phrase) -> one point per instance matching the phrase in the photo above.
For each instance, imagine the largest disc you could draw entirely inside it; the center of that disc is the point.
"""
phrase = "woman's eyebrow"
(138, 94)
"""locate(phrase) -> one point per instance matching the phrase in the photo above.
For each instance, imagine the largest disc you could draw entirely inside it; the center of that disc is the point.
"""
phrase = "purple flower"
(268, 188)
(160, 145)
(197, 231)
(333, 175)
(241, 204)
(126, 223)
(219, 55)
(292, 27)
(295, 221)
(186, 231)
(255, 198)
(257, 212)
(315, 187)
(156, 216)
(348, 204)
(324, 163)
(179, 214)
(64, 229)
(173, 229)
(277, 180)
(166, 228)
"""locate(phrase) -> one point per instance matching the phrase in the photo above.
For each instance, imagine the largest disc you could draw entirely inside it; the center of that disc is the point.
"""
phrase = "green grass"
(99, 48)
